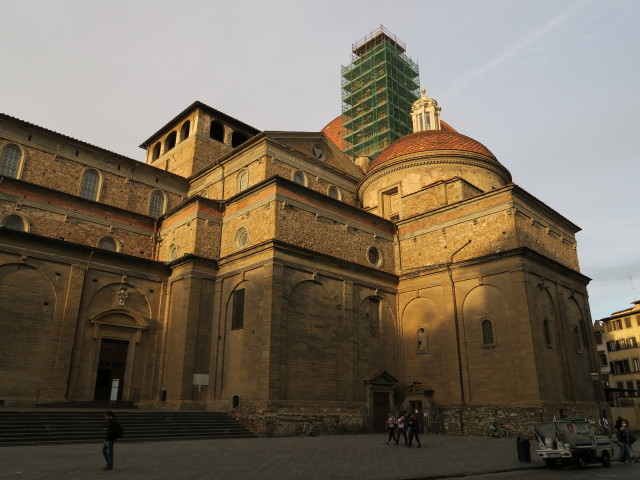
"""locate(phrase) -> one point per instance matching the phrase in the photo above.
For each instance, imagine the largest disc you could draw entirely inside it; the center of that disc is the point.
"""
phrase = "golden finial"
(424, 91)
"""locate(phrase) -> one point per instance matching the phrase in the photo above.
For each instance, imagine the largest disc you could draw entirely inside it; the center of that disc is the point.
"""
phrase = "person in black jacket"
(623, 442)
(414, 430)
(114, 431)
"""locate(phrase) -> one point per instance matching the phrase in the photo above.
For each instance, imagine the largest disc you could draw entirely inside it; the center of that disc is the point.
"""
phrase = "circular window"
(242, 237)
(374, 256)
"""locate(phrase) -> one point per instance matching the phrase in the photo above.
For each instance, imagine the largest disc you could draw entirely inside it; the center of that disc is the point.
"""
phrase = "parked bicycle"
(492, 430)
(307, 430)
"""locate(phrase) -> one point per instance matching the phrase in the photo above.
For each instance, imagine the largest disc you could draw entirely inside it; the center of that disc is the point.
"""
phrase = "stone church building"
(269, 274)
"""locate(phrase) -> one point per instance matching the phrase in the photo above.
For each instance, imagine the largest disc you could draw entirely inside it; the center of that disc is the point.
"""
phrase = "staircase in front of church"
(37, 427)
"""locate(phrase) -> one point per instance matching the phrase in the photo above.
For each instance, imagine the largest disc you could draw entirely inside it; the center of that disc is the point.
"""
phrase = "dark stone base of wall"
(472, 420)
(282, 419)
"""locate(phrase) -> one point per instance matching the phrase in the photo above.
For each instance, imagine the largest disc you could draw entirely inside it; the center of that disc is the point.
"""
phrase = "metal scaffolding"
(378, 89)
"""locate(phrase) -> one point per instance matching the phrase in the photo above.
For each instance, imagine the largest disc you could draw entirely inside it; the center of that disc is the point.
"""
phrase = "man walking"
(114, 431)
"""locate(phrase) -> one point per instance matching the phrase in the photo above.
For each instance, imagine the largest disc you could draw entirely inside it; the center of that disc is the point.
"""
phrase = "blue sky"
(550, 87)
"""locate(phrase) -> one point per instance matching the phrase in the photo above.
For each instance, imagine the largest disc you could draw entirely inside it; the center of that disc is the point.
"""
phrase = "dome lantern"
(425, 113)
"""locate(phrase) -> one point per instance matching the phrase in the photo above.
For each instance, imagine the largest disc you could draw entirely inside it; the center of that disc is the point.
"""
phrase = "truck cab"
(572, 441)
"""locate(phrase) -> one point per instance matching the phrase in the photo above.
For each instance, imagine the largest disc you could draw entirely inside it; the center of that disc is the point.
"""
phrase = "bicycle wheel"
(503, 432)
(302, 431)
(488, 432)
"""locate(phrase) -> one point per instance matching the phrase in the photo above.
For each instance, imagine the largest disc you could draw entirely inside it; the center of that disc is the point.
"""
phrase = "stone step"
(64, 426)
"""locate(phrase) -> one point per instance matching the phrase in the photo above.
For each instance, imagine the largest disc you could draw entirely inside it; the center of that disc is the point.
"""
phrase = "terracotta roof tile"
(335, 131)
(430, 140)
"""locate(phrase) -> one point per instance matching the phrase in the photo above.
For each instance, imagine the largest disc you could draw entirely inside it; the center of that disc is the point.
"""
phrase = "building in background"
(621, 335)
(378, 88)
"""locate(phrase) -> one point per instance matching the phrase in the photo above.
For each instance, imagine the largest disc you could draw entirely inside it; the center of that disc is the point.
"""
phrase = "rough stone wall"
(64, 174)
(283, 419)
(194, 229)
(315, 181)
(432, 239)
(73, 220)
(314, 226)
(546, 237)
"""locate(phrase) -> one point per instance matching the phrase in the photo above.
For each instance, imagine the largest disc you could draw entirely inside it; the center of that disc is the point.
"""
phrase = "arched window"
(374, 317)
(90, 185)
(108, 243)
(238, 138)
(422, 340)
(487, 332)
(184, 131)
(156, 204)
(243, 180)
(156, 151)
(216, 131)
(334, 192)
(547, 333)
(11, 158)
(15, 222)
(576, 339)
(298, 177)
(173, 252)
(170, 141)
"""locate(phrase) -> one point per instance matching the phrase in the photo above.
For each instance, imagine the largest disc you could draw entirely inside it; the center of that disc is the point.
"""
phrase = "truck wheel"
(606, 460)
(581, 462)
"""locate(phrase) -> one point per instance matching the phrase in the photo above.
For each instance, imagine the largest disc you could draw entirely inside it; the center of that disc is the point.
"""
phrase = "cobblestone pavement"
(323, 457)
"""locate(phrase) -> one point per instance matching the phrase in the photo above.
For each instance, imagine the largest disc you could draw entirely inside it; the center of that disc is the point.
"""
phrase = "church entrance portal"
(111, 366)
(380, 411)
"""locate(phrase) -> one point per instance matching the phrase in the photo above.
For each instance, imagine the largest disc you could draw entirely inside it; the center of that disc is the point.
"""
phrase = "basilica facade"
(269, 274)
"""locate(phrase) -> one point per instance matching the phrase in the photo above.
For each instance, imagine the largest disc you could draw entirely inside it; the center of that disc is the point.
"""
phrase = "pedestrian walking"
(391, 428)
(114, 432)
(414, 430)
(402, 419)
(624, 442)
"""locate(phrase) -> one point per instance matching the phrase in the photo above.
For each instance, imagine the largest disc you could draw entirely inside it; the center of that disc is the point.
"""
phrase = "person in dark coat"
(114, 431)
(414, 430)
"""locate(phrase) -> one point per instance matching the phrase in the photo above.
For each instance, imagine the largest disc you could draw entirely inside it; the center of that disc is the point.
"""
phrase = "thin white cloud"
(515, 48)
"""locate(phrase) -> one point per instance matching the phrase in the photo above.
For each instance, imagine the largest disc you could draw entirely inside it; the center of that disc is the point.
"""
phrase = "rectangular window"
(638, 320)
(609, 326)
(631, 342)
(636, 364)
(603, 360)
(617, 325)
(637, 387)
(621, 344)
(627, 322)
(237, 313)
(611, 345)
(629, 387)
(390, 203)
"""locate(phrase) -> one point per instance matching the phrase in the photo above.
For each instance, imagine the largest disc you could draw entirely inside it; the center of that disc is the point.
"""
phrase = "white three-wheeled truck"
(572, 441)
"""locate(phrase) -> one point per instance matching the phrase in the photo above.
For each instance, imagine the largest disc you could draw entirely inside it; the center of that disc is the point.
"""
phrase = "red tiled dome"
(335, 131)
(431, 140)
